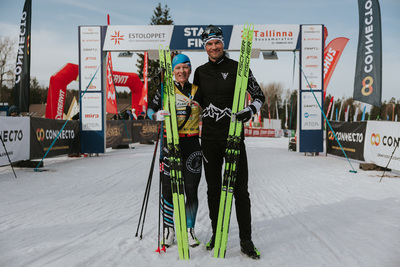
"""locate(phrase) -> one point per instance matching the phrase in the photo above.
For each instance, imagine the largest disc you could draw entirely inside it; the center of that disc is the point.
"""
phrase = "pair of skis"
(175, 159)
(232, 152)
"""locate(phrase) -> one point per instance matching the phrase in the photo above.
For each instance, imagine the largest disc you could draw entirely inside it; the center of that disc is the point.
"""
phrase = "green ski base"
(175, 159)
(232, 152)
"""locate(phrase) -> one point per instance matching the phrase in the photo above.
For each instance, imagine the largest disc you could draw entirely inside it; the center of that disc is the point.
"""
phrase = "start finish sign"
(188, 37)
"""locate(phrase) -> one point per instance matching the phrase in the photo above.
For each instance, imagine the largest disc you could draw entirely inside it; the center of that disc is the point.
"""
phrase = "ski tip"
(164, 249)
(353, 171)
(158, 250)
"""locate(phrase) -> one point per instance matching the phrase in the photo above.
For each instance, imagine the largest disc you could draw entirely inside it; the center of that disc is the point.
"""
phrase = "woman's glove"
(160, 115)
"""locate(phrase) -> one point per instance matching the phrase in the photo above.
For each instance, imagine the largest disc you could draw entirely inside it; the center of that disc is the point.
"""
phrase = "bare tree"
(273, 94)
(7, 58)
(272, 90)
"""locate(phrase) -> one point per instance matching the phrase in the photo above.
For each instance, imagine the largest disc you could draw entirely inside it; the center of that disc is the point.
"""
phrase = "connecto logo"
(40, 134)
(391, 141)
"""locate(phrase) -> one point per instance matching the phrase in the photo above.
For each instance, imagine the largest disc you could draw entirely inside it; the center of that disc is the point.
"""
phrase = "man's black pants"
(213, 159)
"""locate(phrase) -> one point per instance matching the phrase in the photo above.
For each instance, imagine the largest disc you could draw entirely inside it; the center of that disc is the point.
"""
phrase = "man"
(216, 80)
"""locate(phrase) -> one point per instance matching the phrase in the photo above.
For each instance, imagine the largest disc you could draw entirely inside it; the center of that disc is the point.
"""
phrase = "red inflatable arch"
(58, 90)
(133, 82)
(60, 80)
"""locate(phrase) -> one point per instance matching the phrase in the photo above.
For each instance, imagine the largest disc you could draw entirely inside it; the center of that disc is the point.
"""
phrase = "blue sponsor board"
(311, 119)
(188, 37)
(92, 103)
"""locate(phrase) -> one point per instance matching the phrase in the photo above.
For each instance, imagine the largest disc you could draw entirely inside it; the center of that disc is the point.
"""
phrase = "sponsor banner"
(111, 99)
(14, 131)
(312, 57)
(45, 131)
(188, 37)
(381, 138)
(137, 38)
(91, 112)
(261, 132)
(23, 63)
(351, 137)
(116, 133)
(139, 131)
(311, 118)
(248, 131)
(90, 58)
(143, 130)
(310, 130)
(368, 75)
(92, 93)
(332, 53)
(267, 37)
(143, 99)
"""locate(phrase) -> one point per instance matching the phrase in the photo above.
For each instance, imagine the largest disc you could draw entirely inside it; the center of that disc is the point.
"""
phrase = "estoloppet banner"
(188, 37)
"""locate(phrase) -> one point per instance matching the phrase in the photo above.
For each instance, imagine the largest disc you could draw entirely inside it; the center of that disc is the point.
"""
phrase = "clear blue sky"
(55, 32)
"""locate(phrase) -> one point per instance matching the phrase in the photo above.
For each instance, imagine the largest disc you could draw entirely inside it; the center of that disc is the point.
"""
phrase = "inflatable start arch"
(69, 73)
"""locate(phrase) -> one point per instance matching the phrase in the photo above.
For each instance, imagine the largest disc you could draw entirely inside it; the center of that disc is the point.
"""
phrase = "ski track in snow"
(307, 211)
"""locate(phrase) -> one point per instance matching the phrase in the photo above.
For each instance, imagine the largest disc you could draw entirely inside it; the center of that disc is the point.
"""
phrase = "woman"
(187, 112)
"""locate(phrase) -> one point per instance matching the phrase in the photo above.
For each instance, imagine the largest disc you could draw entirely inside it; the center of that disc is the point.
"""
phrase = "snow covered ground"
(307, 211)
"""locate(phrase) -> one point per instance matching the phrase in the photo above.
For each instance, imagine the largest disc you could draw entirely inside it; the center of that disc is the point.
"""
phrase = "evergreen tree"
(161, 16)
(375, 112)
(397, 111)
(35, 91)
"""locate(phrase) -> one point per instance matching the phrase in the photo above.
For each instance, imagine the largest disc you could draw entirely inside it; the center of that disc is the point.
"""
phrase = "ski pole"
(388, 162)
(161, 170)
(5, 149)
(150, 178)
(143, 204)
(160, 195)
(147, 191)
(323, 113)
(62, 128)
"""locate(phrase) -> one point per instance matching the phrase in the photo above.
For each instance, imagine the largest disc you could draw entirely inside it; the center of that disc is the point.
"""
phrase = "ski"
(232, 152)
(175, 159)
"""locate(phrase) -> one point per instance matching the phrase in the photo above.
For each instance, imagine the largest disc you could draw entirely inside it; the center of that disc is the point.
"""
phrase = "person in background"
(13, 111)
(216, 80)
(187, 112)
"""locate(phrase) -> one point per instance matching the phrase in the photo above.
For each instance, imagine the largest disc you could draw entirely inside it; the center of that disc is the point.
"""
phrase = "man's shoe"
(169, 235)
(193, 241)
(248, 248)
(211, 243)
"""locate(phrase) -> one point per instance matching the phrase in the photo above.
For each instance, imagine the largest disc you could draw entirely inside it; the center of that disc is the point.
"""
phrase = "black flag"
(368, 76)
(23, 65)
